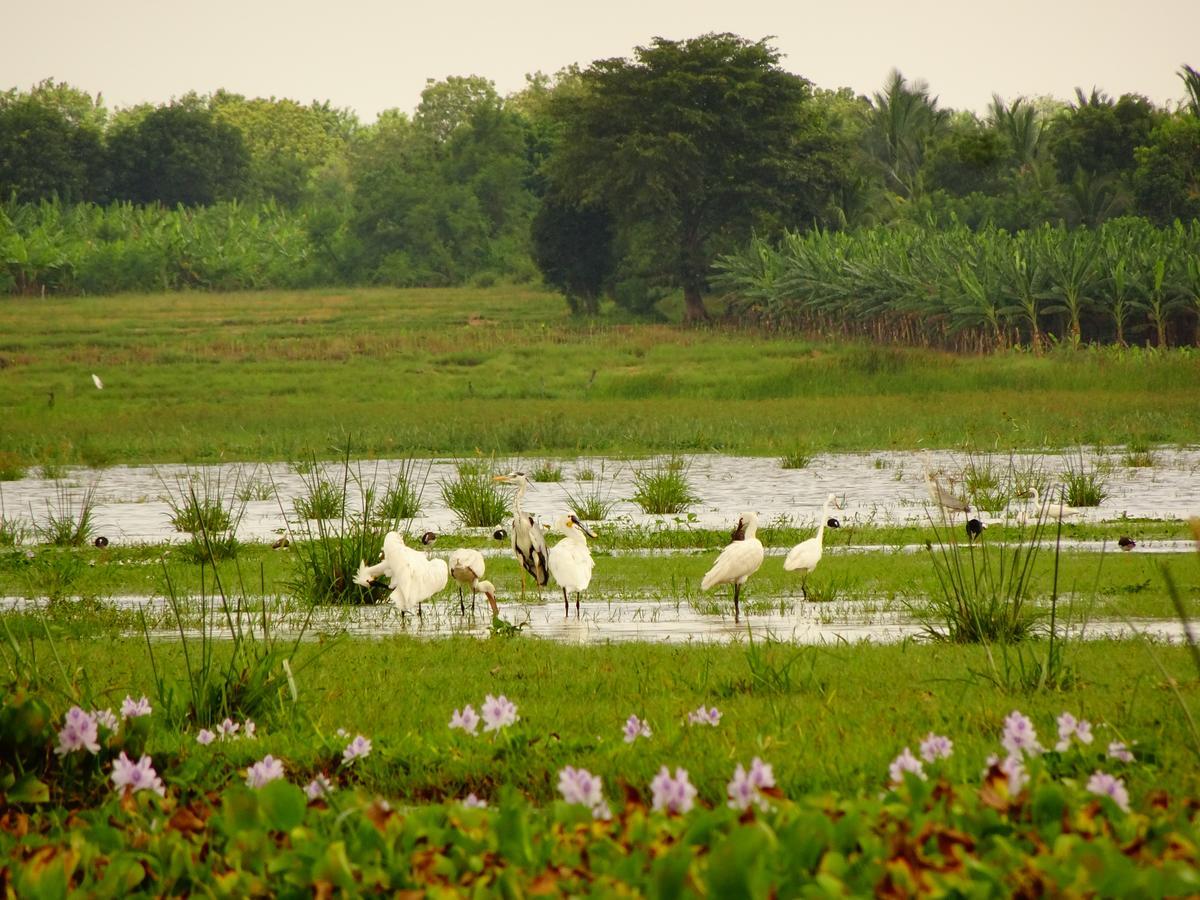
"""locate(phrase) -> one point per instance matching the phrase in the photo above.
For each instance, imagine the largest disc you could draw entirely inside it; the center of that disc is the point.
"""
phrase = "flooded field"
(879, 488)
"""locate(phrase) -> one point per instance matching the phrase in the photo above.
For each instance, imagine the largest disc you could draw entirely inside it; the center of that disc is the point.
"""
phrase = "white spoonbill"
(1052, 509)
(466, 567)
(738, 561)
(413, 576)
(571, 560)
(803, 558)
(528, 540)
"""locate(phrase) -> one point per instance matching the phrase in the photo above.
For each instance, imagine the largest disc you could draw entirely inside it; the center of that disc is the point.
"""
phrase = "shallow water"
(882, 487)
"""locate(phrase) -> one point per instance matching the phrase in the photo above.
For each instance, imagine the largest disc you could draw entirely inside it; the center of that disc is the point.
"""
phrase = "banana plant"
(1071, 274)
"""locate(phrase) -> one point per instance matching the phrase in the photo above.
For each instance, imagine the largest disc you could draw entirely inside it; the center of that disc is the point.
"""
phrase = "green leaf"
(28, 789)
(282, 804)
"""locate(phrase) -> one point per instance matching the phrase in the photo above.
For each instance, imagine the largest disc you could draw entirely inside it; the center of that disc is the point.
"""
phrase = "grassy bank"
(279, 375)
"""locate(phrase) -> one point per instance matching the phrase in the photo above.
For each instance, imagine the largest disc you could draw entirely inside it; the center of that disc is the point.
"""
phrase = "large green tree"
(46, 153)
(696, 139)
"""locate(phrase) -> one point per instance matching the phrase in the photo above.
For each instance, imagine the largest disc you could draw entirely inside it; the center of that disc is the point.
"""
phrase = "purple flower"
(936, 746)
(1068, 727)
(580, 786)
(905, 762)
(79, 732)
(1020, 736)
(107, 718)
(249, 729)
(318, 787)
(133, 777)
(636, 728)
(1104, 785)
(228, 729)
(672, 794)
(1013, 768)
(498, 712)
(702, 716)
(264, 771)
(359, 748)
(745, 787)
(131, 709)
(205, 737)
(472, 802)
(467, 720)
(1118, 751)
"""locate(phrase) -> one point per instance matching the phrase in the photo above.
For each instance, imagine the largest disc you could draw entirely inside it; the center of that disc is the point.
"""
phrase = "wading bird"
(412, 575)
(528, 540)
(570, 559)
(466, 567)
(804, 556)
(974, 528)
(939, 495)
(1052, 509)
(738, 561)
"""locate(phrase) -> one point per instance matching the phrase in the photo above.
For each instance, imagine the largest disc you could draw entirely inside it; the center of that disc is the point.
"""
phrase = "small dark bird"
(499, 534)
(281, 544)
(833, 523)
(1126, 543)
(428, 538)
(101, 541)
(974, 528)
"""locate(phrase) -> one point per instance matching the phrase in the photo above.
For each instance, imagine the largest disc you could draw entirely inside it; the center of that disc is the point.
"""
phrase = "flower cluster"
(318, 787)
(636, 728)
(1105, 785)
(132, 777)
(746, 788)
(472, 802)
(359, 748)
(264, 771)
(498, 712)
(107, 718)
(702, 716)
(1118, 751)
(1070, 727)
(905, 762)
(467, 720)
(935, 747)
(133, 709)
(79, 732)
(1020, 737)
(582, 787)
(228, 730)
(676, 794)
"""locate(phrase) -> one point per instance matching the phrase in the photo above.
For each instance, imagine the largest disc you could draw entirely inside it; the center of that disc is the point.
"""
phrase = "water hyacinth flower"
(132, 777)
(635, 728)
(318, 787)
(107, 718)
(342, 733)
(746, 788)
(1013, 768)
(472, 802)
(205, 737)
(1070, 727)
(905, 762)
(1118, 751)
(359, 748)
(580, 786)
(79, 732)
(676, 795)
(228, 730)
(702, 716)
(467, 720)
(249, 729)
(132, 709)
(498, 712)
(935, 747)
(264, 771)
(1019, 736)
(1104, 785)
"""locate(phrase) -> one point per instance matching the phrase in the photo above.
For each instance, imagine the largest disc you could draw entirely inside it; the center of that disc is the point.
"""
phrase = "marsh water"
(132, 503)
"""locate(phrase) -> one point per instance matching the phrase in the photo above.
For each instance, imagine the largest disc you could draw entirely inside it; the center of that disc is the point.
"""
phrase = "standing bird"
(974, 528)
(413, 576)
(948, 501)
(466, 567)
(1052, 509)
(97, 382)
(570, 560)
(1126, 543)
(738, 561)
(804, 556)
(528, 540)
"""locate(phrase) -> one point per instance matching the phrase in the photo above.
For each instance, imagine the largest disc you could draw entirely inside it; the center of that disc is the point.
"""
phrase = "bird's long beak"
(503, 479)
(575, 520)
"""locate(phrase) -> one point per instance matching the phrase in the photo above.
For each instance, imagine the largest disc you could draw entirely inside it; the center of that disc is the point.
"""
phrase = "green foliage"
(44, 154)
(402, 498)
(573, 248)
(474, 496)
(69, 518)
(1084, 484)
(663, 488)
(322, 500)
(798, 458)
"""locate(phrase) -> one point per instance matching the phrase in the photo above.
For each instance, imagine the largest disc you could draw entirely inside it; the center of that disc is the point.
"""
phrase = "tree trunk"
(694, 311)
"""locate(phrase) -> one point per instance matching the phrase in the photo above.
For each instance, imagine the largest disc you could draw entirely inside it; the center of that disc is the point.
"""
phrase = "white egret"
(804, 556)
(738, 561)
(1053, 509)
(413, 576)
(528, 540)
(97, 382)
(570, 560)
(467, 567)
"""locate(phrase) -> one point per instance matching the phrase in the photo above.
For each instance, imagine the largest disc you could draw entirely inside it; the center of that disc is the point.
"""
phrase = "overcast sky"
(372, 55)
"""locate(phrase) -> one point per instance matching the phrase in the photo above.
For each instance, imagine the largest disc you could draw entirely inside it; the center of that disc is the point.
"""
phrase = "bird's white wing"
(803, 556)
(739, 560)
(430, 578)
(571, 565)
(467, 559)
(366, 574)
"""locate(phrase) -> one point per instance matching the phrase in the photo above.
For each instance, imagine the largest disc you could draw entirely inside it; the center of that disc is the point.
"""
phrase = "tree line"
(625, 179)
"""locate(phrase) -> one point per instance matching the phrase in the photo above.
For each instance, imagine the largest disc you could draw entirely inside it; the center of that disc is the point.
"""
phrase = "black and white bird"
(571, 561)
(803, 558)
(528, 539)
(974, 528)
(738, 561)
(1126, 542)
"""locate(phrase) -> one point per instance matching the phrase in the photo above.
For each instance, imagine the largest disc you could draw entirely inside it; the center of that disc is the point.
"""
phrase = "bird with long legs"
(947, 500)
(571, 561)
(803, 558)
(1052, 509)
(466, 568)
(528, 539)
(412, 575)
(738, 561)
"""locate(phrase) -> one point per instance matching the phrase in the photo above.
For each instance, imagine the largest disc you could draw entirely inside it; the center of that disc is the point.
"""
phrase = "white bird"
(939, 495)
(738, 561)
(570, 559)
(528, 540)
(467, 567)
(413, 576)
(97, 382)
(804, 556)
(1052, 509)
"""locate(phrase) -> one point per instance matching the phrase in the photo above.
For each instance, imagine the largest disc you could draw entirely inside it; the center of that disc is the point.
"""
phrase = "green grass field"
(202, 377)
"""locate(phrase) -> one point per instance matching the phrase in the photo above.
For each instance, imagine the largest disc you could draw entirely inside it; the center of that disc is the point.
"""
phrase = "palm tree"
(901, 120)
(1021, 126)
(1191, 82)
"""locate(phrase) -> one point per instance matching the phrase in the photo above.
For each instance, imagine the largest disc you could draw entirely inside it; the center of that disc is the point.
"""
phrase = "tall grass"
(1084, 484)
(474, 496)
(208, 510)
(70, 518)
(591, 500)
(663, 488)
(402, 498)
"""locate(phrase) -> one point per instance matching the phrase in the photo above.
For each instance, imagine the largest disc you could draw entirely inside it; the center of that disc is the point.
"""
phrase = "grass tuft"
(69, 519)
(663, 488)
(11, 467)
(1084, 484)
(547, 470)
(799, 458)
(474, 497)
